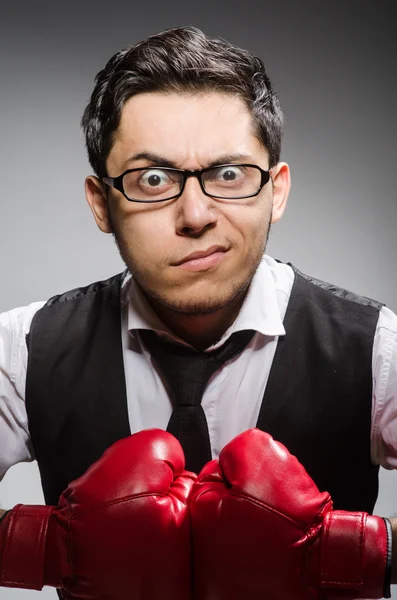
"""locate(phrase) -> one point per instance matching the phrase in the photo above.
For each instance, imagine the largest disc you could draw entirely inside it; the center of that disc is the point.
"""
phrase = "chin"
(203, 303)
(195, 307)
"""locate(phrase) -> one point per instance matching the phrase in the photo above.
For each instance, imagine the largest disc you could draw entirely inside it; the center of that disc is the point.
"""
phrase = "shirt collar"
(260, 310)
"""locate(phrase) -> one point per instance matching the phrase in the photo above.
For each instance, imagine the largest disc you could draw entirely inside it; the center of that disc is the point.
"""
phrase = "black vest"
(317, 401)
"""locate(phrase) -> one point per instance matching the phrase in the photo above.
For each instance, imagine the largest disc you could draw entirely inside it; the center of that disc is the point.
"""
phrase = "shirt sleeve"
(384, 396)
(15, 445)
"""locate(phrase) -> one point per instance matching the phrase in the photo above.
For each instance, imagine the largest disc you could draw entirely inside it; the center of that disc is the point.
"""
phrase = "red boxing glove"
(120, 531)
(262, 530)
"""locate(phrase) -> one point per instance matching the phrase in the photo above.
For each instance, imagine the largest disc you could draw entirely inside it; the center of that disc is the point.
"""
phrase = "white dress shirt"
(234, 394)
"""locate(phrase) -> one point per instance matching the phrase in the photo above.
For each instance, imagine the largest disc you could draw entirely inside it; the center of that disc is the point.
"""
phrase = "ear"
(281, 178)
(96, 197)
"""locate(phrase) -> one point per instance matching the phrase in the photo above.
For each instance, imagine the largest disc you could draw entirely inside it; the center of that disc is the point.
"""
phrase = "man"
(184, 135)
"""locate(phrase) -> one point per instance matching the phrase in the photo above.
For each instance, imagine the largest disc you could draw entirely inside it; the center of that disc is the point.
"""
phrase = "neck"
(199, 330)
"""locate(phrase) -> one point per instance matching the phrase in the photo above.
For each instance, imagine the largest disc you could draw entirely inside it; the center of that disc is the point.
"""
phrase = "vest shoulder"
(334, 292)
(92, 288)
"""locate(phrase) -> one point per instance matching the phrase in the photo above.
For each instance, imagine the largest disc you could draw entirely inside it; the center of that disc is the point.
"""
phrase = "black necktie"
(187, 372)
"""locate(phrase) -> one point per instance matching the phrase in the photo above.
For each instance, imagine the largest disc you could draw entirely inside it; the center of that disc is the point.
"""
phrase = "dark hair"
(181, 59)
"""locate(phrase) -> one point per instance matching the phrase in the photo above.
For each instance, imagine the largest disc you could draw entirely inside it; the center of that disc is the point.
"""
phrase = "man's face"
(191, 132)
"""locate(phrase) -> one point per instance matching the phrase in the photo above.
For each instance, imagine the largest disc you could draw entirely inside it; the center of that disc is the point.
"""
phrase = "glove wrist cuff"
(353, 554)
(389, 556)
(22, 546)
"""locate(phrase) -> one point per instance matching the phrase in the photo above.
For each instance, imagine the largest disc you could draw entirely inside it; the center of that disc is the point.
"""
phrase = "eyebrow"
(155, 159)
(161, 161)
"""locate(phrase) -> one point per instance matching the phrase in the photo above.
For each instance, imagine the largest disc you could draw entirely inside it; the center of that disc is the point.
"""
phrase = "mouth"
(197, 261)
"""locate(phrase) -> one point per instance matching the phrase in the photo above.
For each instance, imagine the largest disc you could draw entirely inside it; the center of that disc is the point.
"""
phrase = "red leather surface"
(23, 542)
(258, 531)
(122, 529)
(352, 554)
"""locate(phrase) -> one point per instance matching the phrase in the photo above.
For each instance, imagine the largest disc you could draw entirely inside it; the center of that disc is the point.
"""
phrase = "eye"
(229, 173)
(226, 175)
(155, 178)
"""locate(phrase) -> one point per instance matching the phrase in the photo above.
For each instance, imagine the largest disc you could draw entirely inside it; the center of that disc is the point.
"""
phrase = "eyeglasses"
(158, 184)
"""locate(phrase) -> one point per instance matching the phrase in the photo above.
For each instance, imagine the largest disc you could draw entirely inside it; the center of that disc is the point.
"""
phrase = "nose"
(195, 212)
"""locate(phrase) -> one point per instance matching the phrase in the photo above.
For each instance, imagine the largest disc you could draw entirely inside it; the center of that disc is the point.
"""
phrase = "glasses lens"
(152, 184)
(232, 181)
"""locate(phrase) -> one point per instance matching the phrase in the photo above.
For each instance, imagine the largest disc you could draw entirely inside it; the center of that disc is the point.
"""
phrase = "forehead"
(188, 129)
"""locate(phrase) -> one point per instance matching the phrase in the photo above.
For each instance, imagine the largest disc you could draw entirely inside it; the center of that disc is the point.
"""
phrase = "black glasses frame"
(117, 182)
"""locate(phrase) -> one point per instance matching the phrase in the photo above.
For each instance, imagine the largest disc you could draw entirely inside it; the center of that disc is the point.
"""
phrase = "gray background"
(333, 64)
